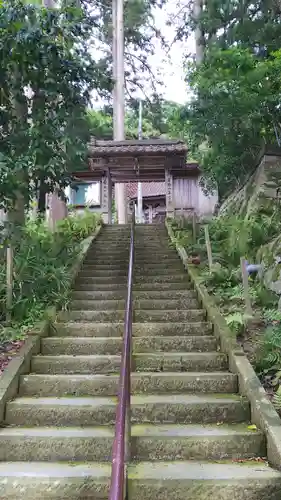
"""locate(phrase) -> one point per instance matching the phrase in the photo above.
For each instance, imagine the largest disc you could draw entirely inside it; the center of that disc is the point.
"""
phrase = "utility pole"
(197, 11)
(139, 183)
(118, 98)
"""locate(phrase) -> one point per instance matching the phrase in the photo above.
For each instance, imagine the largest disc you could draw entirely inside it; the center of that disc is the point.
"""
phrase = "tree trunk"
(16, 214)
(43, 190)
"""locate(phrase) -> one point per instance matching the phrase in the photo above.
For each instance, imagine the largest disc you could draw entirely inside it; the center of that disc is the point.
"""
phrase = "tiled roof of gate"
(146, 146)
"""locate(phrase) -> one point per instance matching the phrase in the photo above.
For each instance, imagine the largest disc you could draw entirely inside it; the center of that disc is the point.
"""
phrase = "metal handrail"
(121, 444)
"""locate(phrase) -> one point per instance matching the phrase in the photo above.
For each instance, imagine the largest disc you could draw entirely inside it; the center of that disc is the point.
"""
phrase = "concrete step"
(97, 305)
(142, 383)
(89, 411)
(141, 250)
(93, 316)
(148, 442)
(196, 442)
(102, 280)
(138, 295)
(116, 255)
(87, 329)
(147, 243)
(93, 267)
(55, 481)
(117, 236)
(157, 275)
(139, 241)
(103, 273)
(159, 304)
(81, 285)
(160, 246)
(163, 286)
(139, 316)
(84, 284)
(201, 480)
(109, 248)
(113, 345)
(119, 254)
(168, 278)
(101, 260)
(169, 315)
(89, 271)
(110, 228)
(160, 252)
(99, 295)
(154, 362)
(159, 270)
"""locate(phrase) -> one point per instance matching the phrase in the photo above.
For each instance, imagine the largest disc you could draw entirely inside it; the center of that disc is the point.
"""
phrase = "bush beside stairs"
(190, 428)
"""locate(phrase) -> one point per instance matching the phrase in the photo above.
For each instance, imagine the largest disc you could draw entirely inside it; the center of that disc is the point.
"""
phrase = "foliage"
(232, 237)
(156, 119)
(156, 112)
(235, 236)
(237, 322)
(182, 229)
(140, 40)
(236, 106)
(42, 265)
(253, 24)
(236, 88)
(269, 355)
(100, 124)
(47, 74)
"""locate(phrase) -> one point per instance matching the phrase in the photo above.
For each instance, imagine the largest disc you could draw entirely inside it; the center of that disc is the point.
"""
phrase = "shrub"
(42, 264)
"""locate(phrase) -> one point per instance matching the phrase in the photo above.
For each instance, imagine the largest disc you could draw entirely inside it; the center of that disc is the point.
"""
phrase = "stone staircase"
(190, 427)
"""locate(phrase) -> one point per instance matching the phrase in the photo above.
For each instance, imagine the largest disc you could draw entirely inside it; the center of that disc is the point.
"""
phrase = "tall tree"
(235, 106)
(45, 51)
(140, 36)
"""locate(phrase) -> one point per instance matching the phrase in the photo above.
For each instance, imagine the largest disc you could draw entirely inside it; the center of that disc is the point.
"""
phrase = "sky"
(170, 64)
(172, 69)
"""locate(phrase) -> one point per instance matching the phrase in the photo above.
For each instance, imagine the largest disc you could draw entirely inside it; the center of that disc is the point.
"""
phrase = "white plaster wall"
(206, 203)
(185, 193)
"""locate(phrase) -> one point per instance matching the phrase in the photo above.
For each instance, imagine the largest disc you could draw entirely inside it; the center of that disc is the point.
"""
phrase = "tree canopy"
(235, 107)
(157, 119)
(52, 60)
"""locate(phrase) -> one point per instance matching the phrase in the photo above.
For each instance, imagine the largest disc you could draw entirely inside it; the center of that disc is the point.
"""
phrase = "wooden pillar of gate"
(169, 193)
(106, 197)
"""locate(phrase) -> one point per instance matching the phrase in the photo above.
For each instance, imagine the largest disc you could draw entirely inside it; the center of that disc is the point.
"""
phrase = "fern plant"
(237, 322)
(269, 354)
(277, 399)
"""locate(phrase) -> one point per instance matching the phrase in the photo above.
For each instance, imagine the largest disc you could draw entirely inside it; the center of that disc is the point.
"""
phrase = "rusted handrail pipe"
(121, 444)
